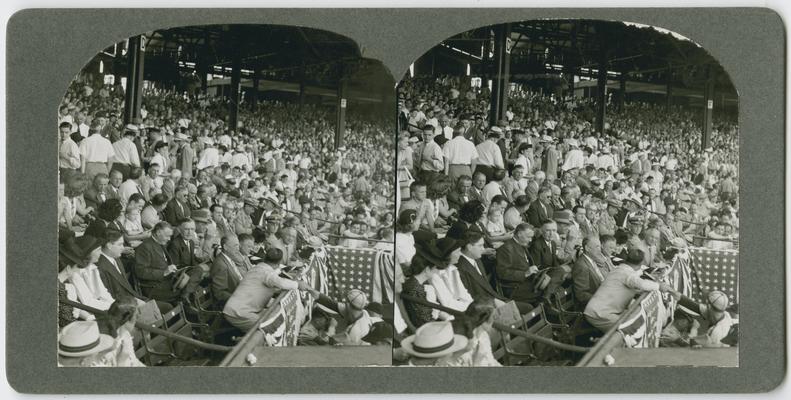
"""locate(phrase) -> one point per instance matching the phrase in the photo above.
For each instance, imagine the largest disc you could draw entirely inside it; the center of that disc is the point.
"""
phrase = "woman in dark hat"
(78, 257)
(431, 257)
(79, 278)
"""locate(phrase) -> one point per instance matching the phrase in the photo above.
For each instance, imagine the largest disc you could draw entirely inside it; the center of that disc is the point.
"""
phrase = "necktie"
(181, 208)
(480, 268)
(139, 190)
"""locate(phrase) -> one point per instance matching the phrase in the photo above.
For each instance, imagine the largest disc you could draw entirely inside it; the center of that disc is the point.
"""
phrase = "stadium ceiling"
(644, 53)
(275, 52)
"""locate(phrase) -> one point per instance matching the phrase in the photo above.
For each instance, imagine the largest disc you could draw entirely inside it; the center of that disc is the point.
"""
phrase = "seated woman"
(74, 206)
(68, 258)
(494, 225)
(134, 233)
(429, 260)
(80, 255)
(437, 193)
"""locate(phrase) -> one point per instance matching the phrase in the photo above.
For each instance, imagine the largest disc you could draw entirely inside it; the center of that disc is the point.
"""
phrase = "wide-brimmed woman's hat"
(434, 340)
(438, 251)
(82, 338)
(76, 250)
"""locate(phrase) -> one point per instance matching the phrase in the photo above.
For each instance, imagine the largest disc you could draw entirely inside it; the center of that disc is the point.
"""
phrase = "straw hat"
(82, 338)
(434, 340)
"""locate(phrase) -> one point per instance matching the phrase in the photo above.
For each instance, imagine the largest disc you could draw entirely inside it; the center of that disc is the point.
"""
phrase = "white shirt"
(491, 189)
(450, 290)
(209, 158)
(574, 159)
(90, 289)
(69, 155)
(489, 154)
(405, 248)
(241, 160)
(96, 148)
(525, 163)
(128, 188)
(84, 130)
(126, 152)
(460, 151)
(164, 164)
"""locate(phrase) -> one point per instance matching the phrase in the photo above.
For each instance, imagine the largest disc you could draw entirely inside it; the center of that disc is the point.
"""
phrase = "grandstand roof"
(277, 52)
(645, 53)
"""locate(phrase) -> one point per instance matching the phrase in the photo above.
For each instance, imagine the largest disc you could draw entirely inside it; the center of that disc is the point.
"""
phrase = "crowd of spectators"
(178, 201)
(514, 209)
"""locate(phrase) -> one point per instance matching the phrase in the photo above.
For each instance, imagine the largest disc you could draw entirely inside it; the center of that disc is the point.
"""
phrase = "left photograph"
(226, 198)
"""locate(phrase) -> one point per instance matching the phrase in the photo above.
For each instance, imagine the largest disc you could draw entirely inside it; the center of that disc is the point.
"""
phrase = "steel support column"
(708, 108)
(254, 91)
(622, 91)
(302, 86)
(601, 93)
(669, 93)
(340, 122)
(502, 69)
(234, 92)
(135, 60)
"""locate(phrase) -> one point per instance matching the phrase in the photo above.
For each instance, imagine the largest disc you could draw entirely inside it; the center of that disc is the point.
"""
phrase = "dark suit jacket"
(536, 215)
(477, 285)
(513, 260)
(223, 280)
(174, 213)
(621, 218)
(586, 281)
(542, 254)
(181, 253)
(116, 283)
(151, 261)
(256, 217)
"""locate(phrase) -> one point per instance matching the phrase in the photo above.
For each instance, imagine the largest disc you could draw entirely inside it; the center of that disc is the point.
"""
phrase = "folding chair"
(163, 350)
(536, 323)
(512, 350)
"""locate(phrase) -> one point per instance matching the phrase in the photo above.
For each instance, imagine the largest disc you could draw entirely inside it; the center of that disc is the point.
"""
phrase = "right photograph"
(568, 195)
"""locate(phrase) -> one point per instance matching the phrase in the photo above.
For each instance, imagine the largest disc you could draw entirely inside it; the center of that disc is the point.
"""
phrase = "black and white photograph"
(226, 197)
(568, 195)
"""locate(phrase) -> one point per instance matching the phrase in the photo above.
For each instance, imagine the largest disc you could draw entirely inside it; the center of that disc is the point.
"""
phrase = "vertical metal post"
(669, 92)
(234, 95)
(601, 92)
(135, 60)
(708, 108)
(340, 125)
(502, 67)
(254, 91)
